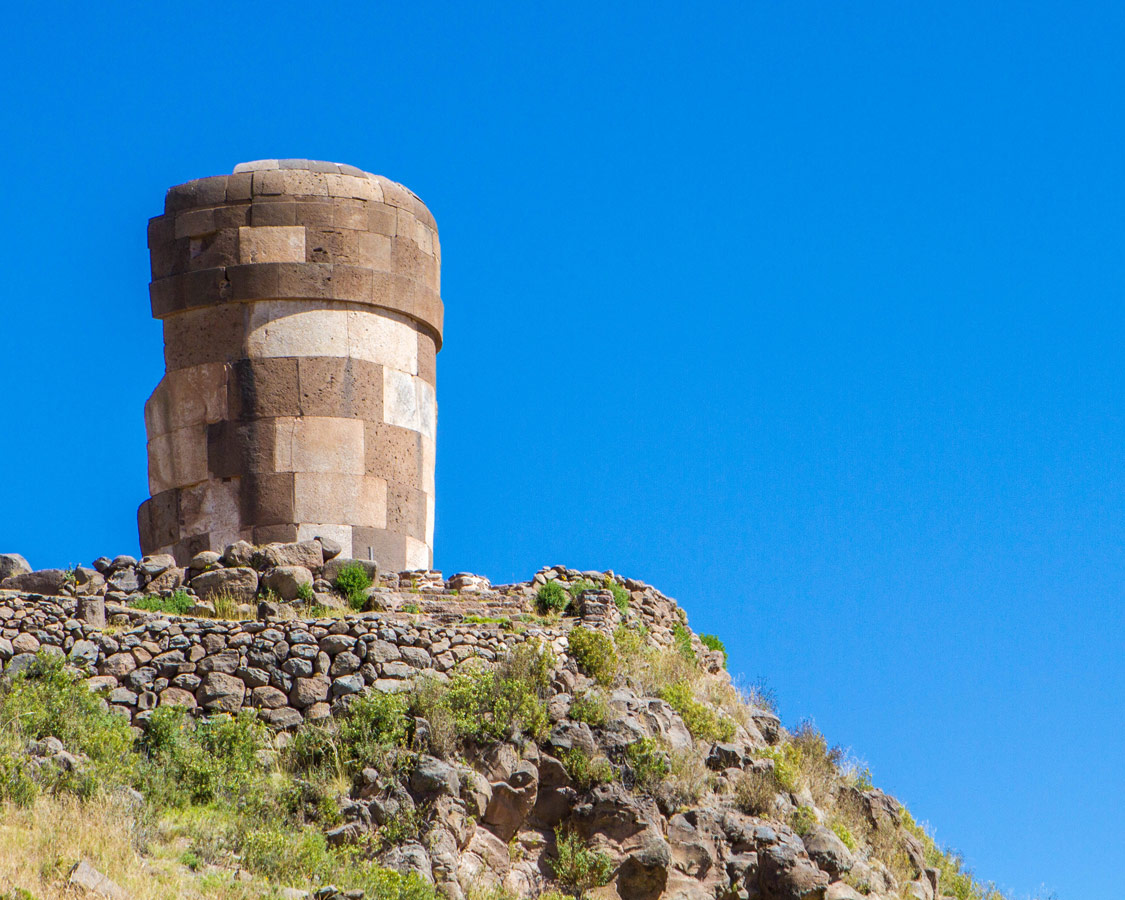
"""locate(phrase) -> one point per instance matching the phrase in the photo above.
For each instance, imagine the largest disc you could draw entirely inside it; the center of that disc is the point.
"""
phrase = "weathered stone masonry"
(302, 317)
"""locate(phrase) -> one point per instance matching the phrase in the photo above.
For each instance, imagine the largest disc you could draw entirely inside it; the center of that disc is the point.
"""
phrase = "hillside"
(277, 722)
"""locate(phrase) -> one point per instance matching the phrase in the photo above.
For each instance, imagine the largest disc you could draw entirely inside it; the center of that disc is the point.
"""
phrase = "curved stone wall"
(302, 317)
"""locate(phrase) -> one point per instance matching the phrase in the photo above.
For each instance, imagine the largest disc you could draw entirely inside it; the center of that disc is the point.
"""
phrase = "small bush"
(16, 783)
(552, 597)
(703, 723)
(576, 866)
(595, 654)
(587, 772)
(844, 834)
(353, 582)
(491, 704)
(649, 763)
(305, 593)
(590, 708)
(374, 726)
(754, 792)
(620, 596)
(178, 604)
(681, 639)
(803, 820)
(711, 642)
(786, 765)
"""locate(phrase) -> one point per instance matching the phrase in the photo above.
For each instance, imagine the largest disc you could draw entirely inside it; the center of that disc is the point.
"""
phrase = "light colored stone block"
(319, 444)
(418, 555)
(385, 338)
(352, 499)
(297, 328)
(211, 506)
(409, 402)
(271, 243)
(192, 396)
(430, 519)
(177, 458)
(341, 534)
(429, 463)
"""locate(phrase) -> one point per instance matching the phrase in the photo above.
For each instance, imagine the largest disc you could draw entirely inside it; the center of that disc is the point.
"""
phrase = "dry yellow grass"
(39, 845)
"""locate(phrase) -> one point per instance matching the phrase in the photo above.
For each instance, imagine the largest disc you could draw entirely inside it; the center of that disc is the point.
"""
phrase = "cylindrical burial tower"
(302, 317)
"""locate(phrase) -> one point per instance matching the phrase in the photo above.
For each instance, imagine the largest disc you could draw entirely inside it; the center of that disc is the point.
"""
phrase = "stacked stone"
(302, 317)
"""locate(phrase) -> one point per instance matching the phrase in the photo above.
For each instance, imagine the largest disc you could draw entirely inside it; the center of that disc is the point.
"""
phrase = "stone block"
(263, 388)
(271, 244)
(384, 547)
(267, 499)
(201, 336)
(406, 511)
(345, 388)
(409, 402)
(254, 281)
(200, 192)
(194, 222)
(394, 454)
(236, 448)
(212, 506)
(177, 458)
(195, 395)
(273, 211)
(383, 337)
(350, 499)
(316, 213)
(239, 187)
(270, 534)
(293, 328)
(427, 357)
(418, 555)
(319, 444)
(381, 219)
(158, 521)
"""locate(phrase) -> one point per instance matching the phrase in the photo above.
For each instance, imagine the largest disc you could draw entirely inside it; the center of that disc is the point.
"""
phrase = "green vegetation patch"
(595, 654)
(576, 866)
(178, 604)
(353, 582)
(703, 722)
(711, 642)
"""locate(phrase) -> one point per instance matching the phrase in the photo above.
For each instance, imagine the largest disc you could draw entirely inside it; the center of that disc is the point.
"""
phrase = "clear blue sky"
(809, 314)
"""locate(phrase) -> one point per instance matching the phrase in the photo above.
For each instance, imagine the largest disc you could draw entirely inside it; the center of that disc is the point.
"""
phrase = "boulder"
(828, 851)
(333, 566)
(309, 554)
(168, 580)
(174, 696)
(330, 548)
(88, 581)
(240, 583)
(239, 554)
(204, 560)
(271, 609)
(91, 610)
(287, 581)
(45, 581)
(123, 580)
(787, 874)
(85, 879)
(309, 691)
(13, 564)
(220, 692)
(840, 890)
(512, 801)
(25, 643)
(151, 566)
(432, 776)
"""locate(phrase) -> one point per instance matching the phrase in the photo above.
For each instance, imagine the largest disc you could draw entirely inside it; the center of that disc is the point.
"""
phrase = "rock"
(124, 561)
(839, 890)
(725, 756)
(151, 566)
(13, 564)
(329, 547)
(91, 610)
(309, 691)
(177, 697)
(287, 581)
(333, 566)
(6, 650)
(220, 692)
(203, 561)
(239, 555)
(89, 581)
(46, 581)
(83, 653)
(785, 874)
(123, 580)
(308, 554)
(917, 890)
(828, 851)
(88, 880)
(168, 580)
(644, 873)
(271, 609)
(432, 776)
(512, 801)
(266, 697)
(240, 583)
(25, 643)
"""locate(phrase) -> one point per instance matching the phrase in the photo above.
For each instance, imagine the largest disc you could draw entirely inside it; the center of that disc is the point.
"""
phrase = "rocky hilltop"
(278, 722)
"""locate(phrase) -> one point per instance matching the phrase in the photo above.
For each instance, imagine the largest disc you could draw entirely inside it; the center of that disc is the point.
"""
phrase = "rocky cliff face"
(567, 734)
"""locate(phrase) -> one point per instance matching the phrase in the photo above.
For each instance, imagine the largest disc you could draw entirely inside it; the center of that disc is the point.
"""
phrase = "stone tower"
(302, 317)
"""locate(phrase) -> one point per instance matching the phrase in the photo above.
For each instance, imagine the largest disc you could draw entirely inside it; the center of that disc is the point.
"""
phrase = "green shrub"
(576, 866)
(305, 592)
(178, 604)
(681, 639)
(552, 597)
(16, 783)
(620, 596)
(648, 761)
(353, 581)
(754, 792)
(786, 765)
(490, 704)
(373, 728)
(203, 760)
(587, 772)
(703, 723)
(591, 708)
(411, 608)
(803, 820)
(711, 642)
(844, 834)
(595, 654)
